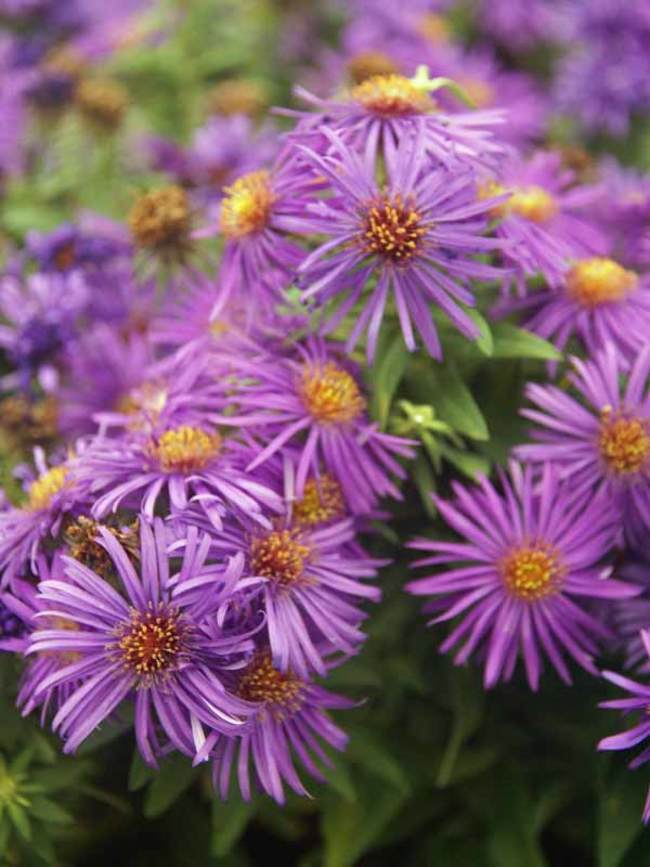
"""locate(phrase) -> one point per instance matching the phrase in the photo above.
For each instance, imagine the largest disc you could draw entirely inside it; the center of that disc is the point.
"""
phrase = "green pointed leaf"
(139, 773)
(513, 342)
(175, 775)
(455, 404)
(229, 821)
(386, 377)
(619, 817)
(484, 341)
(49, 811)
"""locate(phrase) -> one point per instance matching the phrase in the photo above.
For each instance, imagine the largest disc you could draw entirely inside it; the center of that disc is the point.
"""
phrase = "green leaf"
(512, 838)
(139, 773)
(484, 341)
(619, 817)
(470, 463)
(374, 755)
(386, 377)
(513, 342)
(229, 821)
(19, 820)
(455, 404)
(175, 775)
(49, 811)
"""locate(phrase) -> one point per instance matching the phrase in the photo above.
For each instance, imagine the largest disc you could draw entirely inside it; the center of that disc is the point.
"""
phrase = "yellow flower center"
(247, 205)
(42, 490)
(330, 394)
(322, 501)
(369, 64)
(261, 682)
(237, 96)
(392, 228)
(102, 102)
(532, 203)
(624, 443)
(391, 96)
(184, 449)
(161, 218)
(531, 573)
(599, 280)
(280, 556)
(151, 642)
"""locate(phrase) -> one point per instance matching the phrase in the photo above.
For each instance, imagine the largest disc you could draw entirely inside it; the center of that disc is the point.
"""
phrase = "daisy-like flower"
(257, 213)
(309, 582)
(188, 463)
(68, 247)
(543, 219)
(528, 557)
(631, 616)
(290, 720)
(418, 236)
(637, 701)
(51, 494)
(598, 301)
(144, 642)
(600, 441)
(386, 109)
(312, 399)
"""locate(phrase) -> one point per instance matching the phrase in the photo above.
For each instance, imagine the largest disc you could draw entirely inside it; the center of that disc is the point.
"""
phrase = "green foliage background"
(438, 772)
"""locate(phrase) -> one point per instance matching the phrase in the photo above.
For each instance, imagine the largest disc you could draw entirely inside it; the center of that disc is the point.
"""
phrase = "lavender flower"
(418, 237)
(145, 642)
(525, 557)
(601, 442)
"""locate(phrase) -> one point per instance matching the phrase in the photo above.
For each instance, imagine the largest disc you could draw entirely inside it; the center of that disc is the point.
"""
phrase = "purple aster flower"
(290, 720)
(637, 701)
(256, 215)
(68, 247)
(631, 616)
(543, 220)
(527, 558)
(312, 399)
(40, 316)
(387, 109)
(600, 441)
(309, 583)
(51, 494)
(419, 236)
(145, 642)
(187, 463)
(520, 25)
(598, 302)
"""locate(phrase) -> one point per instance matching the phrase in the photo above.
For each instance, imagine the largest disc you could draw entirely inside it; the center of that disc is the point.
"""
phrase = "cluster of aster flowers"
(190, 536)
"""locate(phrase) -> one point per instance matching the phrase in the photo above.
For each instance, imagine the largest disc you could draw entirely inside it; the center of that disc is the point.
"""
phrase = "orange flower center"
(161, 218)
(261, 682)
(184, 449)
(330, 394)
(280, 556)
(531, 572)
(391, 96)
(151, 642)
(247, 205)
(393, 229)
(322, 501)
(596, 281)
(624, 443)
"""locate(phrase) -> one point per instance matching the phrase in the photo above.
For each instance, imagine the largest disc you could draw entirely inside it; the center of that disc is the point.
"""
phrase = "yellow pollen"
(480, 92)
(624, 443)
(391, 96)
(237, 96)
(43, 489)
(392, 228)
(161, 219)
(533, 203)
(247, 205)
(322, 501)
(280, 556)
(599, 280)
(531, 573)
(184, 449)
(151, 642)
(102, 102)
(330, 394)
(261, 682)
(434, 28)
(368, 64)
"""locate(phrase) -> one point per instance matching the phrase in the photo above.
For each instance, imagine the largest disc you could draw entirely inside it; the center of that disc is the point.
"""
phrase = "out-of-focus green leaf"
(455, 404)
(175, 775)
(513, 342)
(620, 804)
(229, 821)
